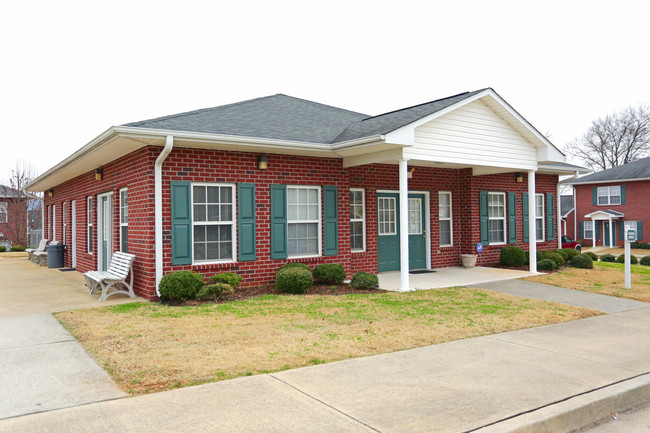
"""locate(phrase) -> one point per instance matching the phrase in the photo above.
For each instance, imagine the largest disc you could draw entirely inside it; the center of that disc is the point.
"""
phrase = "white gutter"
(158, 218)
(575, 214)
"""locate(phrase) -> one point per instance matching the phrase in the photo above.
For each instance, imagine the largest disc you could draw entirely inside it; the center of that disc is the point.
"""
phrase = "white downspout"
(158, 218)
(532, 229)
(559, 217)
(575, 211)
(404, 225)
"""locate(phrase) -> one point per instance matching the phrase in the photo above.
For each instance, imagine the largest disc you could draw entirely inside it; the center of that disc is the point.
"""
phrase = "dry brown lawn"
(604, 278)
(149, 347)
(618, 251)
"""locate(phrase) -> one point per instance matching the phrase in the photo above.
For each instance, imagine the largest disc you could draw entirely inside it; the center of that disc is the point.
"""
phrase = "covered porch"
(604, 221)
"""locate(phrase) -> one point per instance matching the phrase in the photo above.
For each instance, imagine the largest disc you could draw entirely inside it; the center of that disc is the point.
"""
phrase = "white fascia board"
(577, 183)
(600, 215)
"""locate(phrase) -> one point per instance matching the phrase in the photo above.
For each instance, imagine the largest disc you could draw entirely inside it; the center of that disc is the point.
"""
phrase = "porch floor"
(449, 277)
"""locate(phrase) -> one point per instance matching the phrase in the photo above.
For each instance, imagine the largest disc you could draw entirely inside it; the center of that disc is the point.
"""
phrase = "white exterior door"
(104, 230)
(73, 247)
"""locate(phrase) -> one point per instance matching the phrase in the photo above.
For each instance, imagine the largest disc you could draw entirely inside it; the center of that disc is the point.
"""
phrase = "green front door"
(388, 217)
(606, 229)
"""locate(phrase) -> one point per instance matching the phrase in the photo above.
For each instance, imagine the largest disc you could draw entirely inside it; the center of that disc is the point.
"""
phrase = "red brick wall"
(636, 207)
(135, 171)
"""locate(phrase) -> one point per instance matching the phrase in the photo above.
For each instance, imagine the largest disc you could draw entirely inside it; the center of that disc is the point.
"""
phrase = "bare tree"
(614, 140)
(17, 203)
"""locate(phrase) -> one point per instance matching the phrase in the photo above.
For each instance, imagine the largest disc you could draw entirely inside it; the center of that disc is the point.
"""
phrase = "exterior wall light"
(99, 173)
(262, 162)
(410, 173)
(519, 177)
(50, 192)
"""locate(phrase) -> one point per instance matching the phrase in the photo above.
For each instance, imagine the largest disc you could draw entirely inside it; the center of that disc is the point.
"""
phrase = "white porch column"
(559, 217)
(611, 234)
(593, 232)
(532, 229)
(404, 225)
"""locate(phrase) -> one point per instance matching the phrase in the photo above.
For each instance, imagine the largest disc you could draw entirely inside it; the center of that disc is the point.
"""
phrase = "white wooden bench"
(119, 270)
(40, 257)
(41, 248)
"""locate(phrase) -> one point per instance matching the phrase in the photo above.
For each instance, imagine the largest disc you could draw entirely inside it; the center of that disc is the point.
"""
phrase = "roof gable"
(635, 170)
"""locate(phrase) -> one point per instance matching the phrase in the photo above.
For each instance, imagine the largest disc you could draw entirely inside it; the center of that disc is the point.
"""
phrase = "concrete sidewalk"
(554, 376)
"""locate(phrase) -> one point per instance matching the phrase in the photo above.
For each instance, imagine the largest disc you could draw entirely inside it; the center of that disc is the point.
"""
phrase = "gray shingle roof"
(639, 169)
(287, 118)
(566, 204)
(7, 191)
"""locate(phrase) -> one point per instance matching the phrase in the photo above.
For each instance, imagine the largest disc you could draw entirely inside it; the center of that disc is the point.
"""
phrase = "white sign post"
(630, 236)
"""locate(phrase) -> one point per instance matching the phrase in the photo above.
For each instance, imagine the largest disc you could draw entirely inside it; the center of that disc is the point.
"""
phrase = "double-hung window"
(3, 213)
(608, 195)
(303, 221)
(444, 219)
(539, 217)
(213, 222)
(589, 229)
(497, 217)
(89, 223)
(357, 220)
(124, 220)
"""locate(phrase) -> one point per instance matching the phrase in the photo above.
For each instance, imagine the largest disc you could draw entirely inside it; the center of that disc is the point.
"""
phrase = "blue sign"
(479, 247)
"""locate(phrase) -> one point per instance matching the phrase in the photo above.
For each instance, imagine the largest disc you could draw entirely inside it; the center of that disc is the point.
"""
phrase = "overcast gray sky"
(70, 69)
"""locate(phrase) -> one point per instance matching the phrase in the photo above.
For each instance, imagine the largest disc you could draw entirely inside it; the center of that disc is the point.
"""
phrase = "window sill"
(357, 251)
(303, 258)
(446, 246)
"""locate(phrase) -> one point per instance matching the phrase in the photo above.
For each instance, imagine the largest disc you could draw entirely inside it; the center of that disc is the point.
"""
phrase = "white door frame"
(427, 206)
(73, 218)
(100, 229)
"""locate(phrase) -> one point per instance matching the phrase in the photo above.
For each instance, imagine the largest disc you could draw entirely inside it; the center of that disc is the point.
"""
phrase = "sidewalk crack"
(325, 404)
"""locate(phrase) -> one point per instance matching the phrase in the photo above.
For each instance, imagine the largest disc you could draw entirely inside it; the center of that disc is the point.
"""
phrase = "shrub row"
(184, 285)
(643, 246)
(3, 248)
(298, 277)
(547, 260)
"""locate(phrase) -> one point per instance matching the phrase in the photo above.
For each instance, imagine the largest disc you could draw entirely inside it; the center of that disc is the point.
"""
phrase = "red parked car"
(567, 242)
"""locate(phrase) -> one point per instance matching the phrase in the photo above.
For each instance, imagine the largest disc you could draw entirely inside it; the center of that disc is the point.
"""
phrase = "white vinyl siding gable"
(472, 135)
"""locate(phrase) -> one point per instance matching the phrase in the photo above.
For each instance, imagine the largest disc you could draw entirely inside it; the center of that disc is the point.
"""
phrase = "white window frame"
(540, 218)
(591, 229)
(232, 223)
(4, 214)
(64, 222)
(122, 222)
(318, 221)
(395, 210)
(450, 219)
(362, 220)
(89, 225)
(607, 192)
(504, 218)
(53, 222)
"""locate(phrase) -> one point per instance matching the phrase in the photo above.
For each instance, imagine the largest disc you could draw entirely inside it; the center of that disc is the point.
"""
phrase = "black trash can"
(55, 256)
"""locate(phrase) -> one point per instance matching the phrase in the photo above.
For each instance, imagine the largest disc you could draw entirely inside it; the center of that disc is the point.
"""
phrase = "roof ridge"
(200, 110)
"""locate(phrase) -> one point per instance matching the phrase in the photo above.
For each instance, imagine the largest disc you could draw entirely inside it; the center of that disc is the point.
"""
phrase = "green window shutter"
(330, 221)
(181, 198)
(483, 212)
(246, 221)
(581, 231)
(622, 194)
(639, 230)
(594, 196)
(524, 213)
(278, 221)
(621, 230)
(550, 213)
(512, 218)
(597, 228)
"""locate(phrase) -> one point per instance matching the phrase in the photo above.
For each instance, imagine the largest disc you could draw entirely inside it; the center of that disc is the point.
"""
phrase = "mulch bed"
(251, 292)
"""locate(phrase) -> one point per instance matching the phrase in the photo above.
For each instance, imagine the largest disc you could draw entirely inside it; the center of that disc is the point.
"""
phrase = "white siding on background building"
(472, 135)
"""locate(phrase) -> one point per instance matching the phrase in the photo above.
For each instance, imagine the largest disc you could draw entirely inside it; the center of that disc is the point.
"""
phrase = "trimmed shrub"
(329, 273)
(621, 259)
(364, 280)
(295, 265)
(570, 252)
(645, 261)
(645, 246)
(180, 285)
(635, 244)
(547, 265)
(582, 261)
(607, 258)
(564, 254)
(18, 248)
(512, 256)
(3, 248)
(233, 280)
(214, 291)
(548, 254)
(293, 280)
(593, 256)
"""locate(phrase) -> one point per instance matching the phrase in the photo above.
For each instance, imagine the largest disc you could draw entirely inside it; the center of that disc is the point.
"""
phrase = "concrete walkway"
(554, 378)
(42, 367)
(529, 289)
